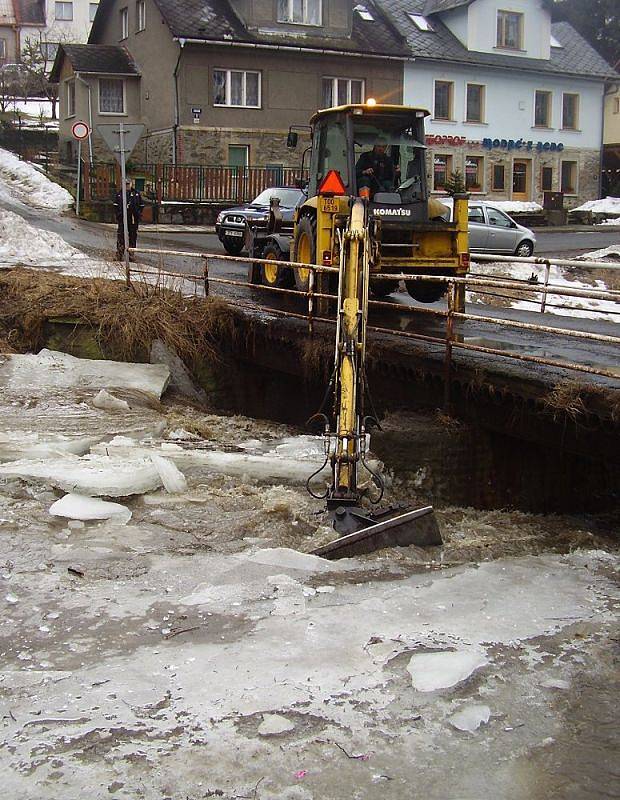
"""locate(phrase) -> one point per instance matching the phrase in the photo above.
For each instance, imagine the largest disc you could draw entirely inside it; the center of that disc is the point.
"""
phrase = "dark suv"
(230, 224)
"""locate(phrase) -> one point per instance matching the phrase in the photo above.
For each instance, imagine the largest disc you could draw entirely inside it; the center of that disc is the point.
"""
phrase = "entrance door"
(238, 155)
(521, 180)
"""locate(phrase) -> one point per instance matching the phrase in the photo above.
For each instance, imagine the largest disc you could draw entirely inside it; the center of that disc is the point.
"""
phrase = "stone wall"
(209, 146)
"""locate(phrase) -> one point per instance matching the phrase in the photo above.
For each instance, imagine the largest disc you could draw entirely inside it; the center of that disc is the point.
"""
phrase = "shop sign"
(522, 144)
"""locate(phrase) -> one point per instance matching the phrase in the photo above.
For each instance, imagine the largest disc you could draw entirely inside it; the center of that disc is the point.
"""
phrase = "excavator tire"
(383, 288)
(275, 274)
(304, 250)
(425, 292)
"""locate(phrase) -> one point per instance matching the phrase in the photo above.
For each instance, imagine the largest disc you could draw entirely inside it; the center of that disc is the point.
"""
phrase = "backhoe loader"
(367, 211)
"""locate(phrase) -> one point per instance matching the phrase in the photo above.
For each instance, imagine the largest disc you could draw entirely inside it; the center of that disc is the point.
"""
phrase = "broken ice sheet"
(274, 724)
(432, 671)
(90, 475)
(16, 444)
(470, 717)
(80, 507)
(108, 402)
(172, 478)
(52, 369)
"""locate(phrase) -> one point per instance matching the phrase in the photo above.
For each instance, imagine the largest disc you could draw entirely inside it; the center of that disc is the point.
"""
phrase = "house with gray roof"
(516, 100)
(220, 81)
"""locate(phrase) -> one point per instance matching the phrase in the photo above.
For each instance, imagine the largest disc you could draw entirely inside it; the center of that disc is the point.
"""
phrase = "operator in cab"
(375, 170)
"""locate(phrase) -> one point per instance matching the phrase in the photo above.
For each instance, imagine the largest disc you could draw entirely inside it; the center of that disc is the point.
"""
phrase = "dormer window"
(421, 23)
(510, 30)
(364, 13)
(300, 12)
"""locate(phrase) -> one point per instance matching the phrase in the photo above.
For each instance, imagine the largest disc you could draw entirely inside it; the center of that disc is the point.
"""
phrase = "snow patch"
(608, 205)
(79, 506)
(432, 671)
(26, 183)
(274, 724)
(291, 559)
(610, 221)
(516, 206)
(612, 252)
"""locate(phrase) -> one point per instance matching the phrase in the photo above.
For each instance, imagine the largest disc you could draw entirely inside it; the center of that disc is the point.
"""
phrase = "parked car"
(492, 230)
(230, 224)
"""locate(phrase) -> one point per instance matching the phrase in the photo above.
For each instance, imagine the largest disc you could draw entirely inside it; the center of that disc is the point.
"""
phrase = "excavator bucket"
(365, 533)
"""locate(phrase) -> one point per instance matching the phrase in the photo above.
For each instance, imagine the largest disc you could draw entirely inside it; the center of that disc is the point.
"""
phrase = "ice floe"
(470, 717)
(81, 507)
(432, 671)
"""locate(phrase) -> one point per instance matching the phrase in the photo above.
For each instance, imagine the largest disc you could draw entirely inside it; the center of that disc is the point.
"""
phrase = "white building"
(516, 102)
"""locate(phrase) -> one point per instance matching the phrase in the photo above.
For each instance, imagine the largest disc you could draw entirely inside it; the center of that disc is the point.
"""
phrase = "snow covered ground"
(177, 644)
(23, 181)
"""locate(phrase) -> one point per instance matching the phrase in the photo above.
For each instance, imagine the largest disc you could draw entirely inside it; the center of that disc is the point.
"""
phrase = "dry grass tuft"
(124, 321)
(577, 401)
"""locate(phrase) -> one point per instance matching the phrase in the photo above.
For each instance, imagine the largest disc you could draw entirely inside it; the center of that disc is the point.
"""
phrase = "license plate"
(234, 233)
(330, 205)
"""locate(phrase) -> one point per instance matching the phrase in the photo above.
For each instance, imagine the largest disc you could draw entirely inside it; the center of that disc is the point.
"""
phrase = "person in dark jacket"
(375, 170)
(135, 205)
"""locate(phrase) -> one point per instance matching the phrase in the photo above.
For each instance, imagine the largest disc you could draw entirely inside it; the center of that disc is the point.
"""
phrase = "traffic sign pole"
(79, 175)
(121, 133)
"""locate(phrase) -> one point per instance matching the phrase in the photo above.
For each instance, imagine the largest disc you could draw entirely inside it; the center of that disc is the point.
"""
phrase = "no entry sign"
(80, 130)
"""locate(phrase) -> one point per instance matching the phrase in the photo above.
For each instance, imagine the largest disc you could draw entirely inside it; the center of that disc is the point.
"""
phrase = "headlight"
(220, 217)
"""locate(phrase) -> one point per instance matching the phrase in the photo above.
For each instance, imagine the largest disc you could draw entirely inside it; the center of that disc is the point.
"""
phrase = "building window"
(70, 98)
(140, 15)
(2, 49)
(238, 155)
(616, 105)
(570, 112)
(444, 91)
(510, 30)
(301, 12)
(124, 23)
(542, 110)
(421, 23)
(232, 87)
(442, 169)
(341, 91)
(546, 179)
(499, 178)
(569, 177)
(49, 50)
(63, 11)
(92, 10)
(111, 96)
(474, 173)
(474, 111)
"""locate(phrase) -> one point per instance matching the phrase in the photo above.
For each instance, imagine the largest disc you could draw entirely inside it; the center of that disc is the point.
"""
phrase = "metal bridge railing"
(318, 303)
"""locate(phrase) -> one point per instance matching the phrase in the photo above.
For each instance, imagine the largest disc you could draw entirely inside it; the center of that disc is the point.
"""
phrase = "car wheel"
(233, 246)
(524, 249)
(275, 274)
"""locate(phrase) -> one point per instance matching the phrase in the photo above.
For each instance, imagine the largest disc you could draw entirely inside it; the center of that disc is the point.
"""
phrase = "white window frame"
(122, 113)
(124, 12)
(549, 125)
(91, 15)
(140, 15)
(483, 104)
(289, 20)
(421, 23)
(245, 72)
(520, 45)
(334, 79)
(577, 110)
(63, 3)
(70, 112)
(450, 118)
(574, 161)
(449, 168)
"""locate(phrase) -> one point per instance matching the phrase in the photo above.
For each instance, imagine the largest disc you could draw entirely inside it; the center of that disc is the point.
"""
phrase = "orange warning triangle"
(332, 184)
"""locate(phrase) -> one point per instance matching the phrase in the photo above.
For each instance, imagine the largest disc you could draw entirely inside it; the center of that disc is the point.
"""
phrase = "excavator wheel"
(304, 250)
(275, 274)
(383, 288)
(426, 292)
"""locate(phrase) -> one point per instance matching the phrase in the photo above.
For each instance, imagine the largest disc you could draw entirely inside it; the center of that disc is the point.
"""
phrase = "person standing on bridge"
(135, 204)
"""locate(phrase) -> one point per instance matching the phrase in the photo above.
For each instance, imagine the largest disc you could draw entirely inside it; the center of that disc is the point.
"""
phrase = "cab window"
(333, 152)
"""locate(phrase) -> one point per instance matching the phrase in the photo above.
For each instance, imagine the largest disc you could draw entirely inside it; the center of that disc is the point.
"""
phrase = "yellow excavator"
(367, 210)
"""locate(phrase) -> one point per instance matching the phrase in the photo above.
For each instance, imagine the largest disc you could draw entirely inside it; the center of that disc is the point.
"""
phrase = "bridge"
(540, 377)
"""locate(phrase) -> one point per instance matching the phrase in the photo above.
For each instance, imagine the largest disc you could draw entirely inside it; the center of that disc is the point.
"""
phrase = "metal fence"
(187, 183)
(318, 303)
